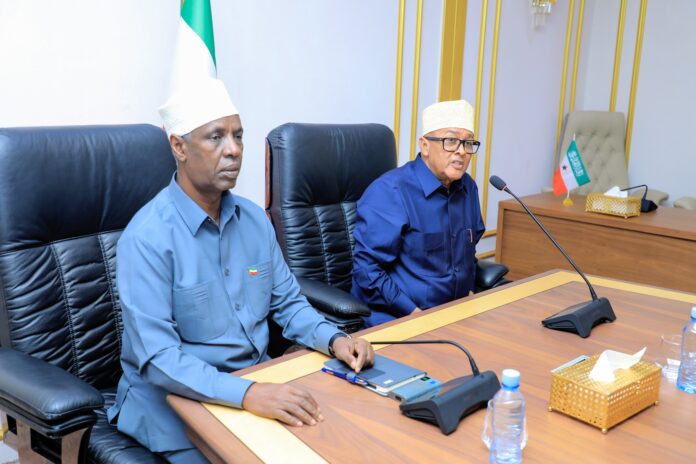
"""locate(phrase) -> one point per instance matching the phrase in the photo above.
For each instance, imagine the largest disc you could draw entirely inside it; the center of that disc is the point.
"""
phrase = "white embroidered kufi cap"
(442, 115)
(196, 104)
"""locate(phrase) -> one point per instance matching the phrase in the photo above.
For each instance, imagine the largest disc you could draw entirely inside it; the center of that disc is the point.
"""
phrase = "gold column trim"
(564, 78)
(617, 55)
(576, 55)
(485, 254)
(479, 78)
(452, 57)
(399, 68)
(634, 77)
(491, 102)
(416, 77)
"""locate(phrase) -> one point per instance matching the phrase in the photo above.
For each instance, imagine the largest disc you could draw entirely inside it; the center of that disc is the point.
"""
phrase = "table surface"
(501, 328)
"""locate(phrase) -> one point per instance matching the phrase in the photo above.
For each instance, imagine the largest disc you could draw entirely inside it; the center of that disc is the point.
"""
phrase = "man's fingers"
(361, 349)
(297, 411)
(287, 418)
(308, 404)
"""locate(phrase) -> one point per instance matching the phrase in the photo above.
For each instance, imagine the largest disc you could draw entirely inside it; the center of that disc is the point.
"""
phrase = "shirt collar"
(429, 183)
(193, 215)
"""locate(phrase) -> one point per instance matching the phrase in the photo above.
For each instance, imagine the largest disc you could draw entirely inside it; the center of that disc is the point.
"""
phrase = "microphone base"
(453, 401)
(582, 317)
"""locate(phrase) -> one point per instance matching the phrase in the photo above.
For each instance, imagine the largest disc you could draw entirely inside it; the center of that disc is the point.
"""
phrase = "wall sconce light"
(540, 10)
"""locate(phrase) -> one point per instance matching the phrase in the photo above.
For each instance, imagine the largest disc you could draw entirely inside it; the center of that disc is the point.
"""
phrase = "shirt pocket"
(200, 311)
(427, 250)
(258, 283)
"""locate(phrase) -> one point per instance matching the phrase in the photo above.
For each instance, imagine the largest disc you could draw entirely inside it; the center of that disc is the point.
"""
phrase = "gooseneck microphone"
(454, 399)
(645, 205)
(580, 318)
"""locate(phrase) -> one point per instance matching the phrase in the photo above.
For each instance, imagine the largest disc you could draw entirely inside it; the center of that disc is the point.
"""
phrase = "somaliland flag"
(195, 44)
(571, 172)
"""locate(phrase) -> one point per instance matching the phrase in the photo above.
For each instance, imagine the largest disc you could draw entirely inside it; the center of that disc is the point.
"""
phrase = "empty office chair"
(315, 174)
(66, 194)
(601, 140)
(686, 203)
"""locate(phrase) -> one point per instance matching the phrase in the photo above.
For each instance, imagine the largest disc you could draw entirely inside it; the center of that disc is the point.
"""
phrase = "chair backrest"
(315, 174)
(601, 140)
(66, 193)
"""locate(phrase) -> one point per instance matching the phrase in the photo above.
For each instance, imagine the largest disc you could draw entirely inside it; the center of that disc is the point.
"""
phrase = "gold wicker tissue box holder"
(604, 404)
(624, 207)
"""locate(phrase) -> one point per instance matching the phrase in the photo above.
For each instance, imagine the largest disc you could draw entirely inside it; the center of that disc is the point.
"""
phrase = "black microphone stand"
(579, 318)
(456, 398)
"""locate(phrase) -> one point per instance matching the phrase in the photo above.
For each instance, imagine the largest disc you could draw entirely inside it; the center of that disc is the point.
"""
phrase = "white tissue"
(615, 191)
(609, 361)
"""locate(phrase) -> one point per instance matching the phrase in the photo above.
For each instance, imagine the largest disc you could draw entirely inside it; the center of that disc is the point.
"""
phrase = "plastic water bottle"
(508, 424)
(686, 379)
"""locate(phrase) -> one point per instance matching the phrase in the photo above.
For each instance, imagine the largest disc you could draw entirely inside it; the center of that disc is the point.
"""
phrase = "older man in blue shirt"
(417, 226)
(199, 272)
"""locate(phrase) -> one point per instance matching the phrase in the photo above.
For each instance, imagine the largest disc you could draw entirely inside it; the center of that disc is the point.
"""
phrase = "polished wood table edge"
(646, 222)
(197, 413)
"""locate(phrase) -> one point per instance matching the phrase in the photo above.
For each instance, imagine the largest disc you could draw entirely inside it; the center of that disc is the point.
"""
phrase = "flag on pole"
(195, 46)
(571, 172)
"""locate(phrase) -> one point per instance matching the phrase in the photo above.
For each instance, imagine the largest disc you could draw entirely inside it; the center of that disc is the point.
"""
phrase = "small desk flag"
(571, 172)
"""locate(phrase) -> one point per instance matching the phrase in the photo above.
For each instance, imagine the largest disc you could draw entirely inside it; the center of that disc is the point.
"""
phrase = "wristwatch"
(333, 339)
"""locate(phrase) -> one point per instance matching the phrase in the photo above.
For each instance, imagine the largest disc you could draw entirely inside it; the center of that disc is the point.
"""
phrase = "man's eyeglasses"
(452, 144)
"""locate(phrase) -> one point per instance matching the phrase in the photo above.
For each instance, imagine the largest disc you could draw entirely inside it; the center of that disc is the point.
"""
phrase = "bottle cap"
(511, 378)
(693, 312)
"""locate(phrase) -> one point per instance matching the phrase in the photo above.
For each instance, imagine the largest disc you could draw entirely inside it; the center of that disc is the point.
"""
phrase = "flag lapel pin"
(251, 270)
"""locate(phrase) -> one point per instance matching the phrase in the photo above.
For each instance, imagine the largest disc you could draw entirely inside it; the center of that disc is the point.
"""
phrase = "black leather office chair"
(66, 193)
(315, 174)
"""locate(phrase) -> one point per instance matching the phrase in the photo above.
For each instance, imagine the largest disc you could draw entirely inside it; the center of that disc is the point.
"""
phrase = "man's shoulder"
(395, 178)
(150, 220)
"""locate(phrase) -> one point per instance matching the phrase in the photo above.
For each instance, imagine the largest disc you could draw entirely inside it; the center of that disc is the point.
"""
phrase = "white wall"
(86, 62)
(661, 152)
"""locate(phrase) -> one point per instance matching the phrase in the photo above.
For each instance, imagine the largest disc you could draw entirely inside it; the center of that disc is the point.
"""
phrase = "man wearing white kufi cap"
(417, 226)
(199, 272)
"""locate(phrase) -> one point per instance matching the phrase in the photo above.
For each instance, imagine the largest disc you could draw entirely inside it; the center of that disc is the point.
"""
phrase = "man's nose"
(233, 147)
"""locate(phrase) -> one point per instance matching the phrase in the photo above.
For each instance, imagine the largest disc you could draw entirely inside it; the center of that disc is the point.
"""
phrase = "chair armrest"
(45, 397)
(332, 300)
(656, 196)
(488, 274)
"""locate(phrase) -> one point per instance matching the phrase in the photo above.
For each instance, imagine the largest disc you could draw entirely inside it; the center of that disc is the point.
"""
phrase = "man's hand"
(283, 402)
(356, 352)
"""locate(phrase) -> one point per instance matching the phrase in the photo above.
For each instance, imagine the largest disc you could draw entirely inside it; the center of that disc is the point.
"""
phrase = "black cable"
(474, 367)
(558, 247)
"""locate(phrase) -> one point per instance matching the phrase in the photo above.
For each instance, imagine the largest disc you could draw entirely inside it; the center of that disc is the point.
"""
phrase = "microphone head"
(497, 182)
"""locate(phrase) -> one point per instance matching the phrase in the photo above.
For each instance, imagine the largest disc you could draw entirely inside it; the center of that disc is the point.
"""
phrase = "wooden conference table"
(501, 328)
(656, 248)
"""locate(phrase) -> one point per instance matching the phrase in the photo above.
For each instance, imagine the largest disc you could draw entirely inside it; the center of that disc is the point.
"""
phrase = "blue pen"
(350, 377)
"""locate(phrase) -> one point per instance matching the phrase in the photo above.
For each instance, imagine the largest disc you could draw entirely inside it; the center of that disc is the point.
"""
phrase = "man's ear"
(424, 147)
(178, 143)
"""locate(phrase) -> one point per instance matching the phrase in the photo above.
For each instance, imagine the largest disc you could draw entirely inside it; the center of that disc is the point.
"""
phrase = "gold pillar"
(576, 56)
(399, 66)
(491, 103)
(479, 78)
(452, 58)
(416, 78)
(617, 55)
(634, 77)
(564, 78)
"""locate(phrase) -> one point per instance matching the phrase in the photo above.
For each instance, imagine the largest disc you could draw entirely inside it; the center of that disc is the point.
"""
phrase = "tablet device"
(384, 376)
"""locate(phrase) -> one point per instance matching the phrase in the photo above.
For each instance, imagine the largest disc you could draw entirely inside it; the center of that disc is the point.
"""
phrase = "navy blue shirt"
(415, 242)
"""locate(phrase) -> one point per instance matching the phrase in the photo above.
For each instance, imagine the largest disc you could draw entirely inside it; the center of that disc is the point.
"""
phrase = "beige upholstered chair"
(686, 203)
(600, 137)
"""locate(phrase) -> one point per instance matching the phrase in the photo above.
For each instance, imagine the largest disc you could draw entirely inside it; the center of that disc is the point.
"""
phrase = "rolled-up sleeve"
(380, 221)
(144, 276)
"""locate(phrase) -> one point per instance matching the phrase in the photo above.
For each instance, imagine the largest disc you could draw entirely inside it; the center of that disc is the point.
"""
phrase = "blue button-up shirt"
(415, 242)
(195, 300)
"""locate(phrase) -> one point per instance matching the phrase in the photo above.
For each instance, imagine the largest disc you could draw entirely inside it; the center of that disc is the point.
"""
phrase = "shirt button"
(254, 355)
(237, 306)
(456, 269)
(227, 272)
